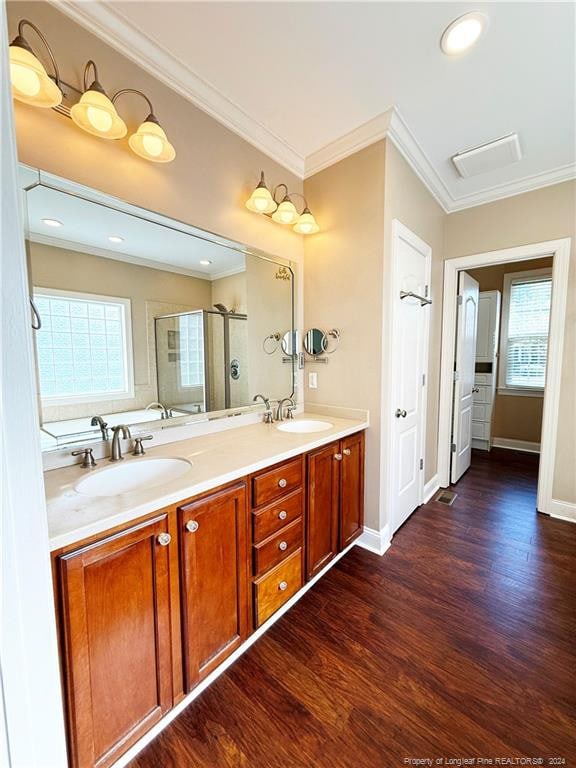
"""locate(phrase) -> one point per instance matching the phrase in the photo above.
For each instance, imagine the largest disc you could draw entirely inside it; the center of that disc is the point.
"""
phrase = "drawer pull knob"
(283, 546)
(346, 451)
(283, 586)
(164, 539)
(338, 456)
(192, 526)
(282, 515)
(282, 482)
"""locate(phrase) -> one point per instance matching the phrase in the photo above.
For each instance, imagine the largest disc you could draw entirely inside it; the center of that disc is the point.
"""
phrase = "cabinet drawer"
(276, 548)
(483, 378)
(481, 412)
(484, 394)
(480, 430)
(276, 587)
(276, 482)
(267, 521)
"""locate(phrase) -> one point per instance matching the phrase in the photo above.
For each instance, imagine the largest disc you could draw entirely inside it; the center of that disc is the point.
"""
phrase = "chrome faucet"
(98, 421)
(166, 412)
(289, 409)
(268, 415)
(116, 453)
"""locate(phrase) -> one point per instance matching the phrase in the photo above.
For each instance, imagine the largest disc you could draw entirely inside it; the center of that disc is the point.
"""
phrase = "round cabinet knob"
(192, 526)
(283, 546)
(346, 451)
(282, 482)
(338, 456)
(282, 515)
(164, 539)
(283, 586)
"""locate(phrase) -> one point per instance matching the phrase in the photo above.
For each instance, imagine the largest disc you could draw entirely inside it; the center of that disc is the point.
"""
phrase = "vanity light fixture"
(150, 140)
(284, 211)
(463, 33)
(95, 112)
(30, 81)
(52, 222)
(116, 239)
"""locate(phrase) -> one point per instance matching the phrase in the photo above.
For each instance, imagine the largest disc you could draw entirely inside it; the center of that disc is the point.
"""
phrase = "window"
(84, 347)
(191, 350)
(525, 323)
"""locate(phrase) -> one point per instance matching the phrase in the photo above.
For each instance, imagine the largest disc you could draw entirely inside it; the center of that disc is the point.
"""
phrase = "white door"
(467, 323)
(410, 323)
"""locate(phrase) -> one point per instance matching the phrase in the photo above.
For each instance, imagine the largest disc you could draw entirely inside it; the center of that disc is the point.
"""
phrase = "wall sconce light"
(284, 212)
(90, 109)
(30, 81)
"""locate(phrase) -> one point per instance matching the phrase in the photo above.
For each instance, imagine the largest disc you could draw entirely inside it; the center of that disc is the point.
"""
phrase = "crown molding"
(111, 27)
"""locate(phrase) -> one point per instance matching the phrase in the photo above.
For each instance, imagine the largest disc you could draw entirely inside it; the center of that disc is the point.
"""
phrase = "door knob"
(400, 412)
(475, 389)
(192, 526)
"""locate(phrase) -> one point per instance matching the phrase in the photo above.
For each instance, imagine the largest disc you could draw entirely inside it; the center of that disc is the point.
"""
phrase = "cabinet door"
(116, 629)
(322, 513)
(215, 574)
(351, 489)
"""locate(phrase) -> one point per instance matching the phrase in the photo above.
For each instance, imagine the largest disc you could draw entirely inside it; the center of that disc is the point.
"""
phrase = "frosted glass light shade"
(286, 212)
(261, 201)
(30, 81)
(306, 224)
(151, 143)
(96, 114)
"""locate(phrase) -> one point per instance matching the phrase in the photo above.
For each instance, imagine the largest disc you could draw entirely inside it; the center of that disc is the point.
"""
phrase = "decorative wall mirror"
(145, 320)
(315, 342)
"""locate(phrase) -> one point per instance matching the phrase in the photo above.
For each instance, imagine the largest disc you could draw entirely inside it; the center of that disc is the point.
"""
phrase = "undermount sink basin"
(304, 425)
(133, 475)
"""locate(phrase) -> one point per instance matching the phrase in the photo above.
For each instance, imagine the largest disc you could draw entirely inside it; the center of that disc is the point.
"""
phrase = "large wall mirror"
(145, 319)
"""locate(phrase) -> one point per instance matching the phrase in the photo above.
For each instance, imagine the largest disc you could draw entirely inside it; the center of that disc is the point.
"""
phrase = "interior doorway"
(517, 363)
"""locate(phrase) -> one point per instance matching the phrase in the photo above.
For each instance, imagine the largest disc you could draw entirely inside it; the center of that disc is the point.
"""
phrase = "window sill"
(521, 392)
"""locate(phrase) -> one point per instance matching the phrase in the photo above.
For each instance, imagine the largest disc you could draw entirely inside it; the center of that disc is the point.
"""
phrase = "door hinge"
(423, 379)
(460, 299)
(421, 463)
(453, 447)
(425, 290)
(456, 376)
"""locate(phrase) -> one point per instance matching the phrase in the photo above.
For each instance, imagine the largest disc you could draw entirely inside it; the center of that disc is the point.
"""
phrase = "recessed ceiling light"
(52, 222)
(463, 32)
(116, 239)
(205, 262)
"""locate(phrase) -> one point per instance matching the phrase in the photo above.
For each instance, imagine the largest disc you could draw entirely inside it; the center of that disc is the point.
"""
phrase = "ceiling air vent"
(488, 157)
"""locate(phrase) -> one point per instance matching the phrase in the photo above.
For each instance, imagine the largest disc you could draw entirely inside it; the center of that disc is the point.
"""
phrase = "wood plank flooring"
(459, 642)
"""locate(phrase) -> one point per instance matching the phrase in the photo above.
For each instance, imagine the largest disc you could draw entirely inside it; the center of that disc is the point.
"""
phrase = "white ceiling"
(296, 77)
(86, 226)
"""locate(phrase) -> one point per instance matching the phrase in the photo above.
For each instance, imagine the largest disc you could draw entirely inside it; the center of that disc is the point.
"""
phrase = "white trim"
(560, 250)
(375, 541)
(150, 735)
(515, 445)
(563, 510)
(430, 488)
(530, 275)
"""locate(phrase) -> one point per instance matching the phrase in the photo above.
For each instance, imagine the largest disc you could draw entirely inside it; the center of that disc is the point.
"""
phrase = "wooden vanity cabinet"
(335, 496)
(214, 564)
(115, 625)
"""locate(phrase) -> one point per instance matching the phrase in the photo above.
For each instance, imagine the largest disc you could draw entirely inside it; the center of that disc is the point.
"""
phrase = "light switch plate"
(313, 380)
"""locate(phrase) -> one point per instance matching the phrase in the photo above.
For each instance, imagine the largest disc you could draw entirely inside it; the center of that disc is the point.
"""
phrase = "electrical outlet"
(313, 380)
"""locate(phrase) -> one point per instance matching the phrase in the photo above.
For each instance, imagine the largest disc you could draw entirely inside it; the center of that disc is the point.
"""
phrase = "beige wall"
(343, 289)
(214, 170)
(516, 418)
(545, 214)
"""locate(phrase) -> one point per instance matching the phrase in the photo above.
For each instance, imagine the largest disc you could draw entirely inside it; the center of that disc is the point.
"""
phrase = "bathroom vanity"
(157, 587)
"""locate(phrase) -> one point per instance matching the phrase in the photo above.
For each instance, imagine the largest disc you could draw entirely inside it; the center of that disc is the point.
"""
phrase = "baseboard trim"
(515, 445)
(563, 510)
(430, 489)
(375, 541)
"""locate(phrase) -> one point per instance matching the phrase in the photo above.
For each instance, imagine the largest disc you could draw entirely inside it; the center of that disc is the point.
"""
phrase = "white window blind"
(527, 336)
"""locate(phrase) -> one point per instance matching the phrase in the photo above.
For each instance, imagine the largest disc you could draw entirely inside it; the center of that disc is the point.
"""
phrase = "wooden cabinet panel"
(351, 489)
(116, 629)
(270, 519)
(276, 482)
(214, 566)
(322, 508)
(277, 586)
(277, 547)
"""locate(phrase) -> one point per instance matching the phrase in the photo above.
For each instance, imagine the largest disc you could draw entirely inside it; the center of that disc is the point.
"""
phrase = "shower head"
(221, 308)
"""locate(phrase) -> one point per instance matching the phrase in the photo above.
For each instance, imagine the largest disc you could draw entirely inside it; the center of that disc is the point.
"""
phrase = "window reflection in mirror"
(146, 319)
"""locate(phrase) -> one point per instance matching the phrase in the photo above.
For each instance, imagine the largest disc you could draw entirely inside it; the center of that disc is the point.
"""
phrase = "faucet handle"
(268, 417)
(290, 411)
(138, 447)
(88, 461)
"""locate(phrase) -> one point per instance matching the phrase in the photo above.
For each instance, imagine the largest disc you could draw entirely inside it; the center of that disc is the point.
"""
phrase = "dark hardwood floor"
(459, 642)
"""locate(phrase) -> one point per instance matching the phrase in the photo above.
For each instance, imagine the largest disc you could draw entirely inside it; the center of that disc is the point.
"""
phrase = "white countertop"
(216, 459)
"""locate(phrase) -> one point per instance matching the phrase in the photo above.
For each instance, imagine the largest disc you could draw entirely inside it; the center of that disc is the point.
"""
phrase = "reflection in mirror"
(290, 343)
(315, 342)
(146, 319)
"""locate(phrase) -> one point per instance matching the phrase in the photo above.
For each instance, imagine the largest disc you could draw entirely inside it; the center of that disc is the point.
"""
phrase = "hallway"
(459, 642)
